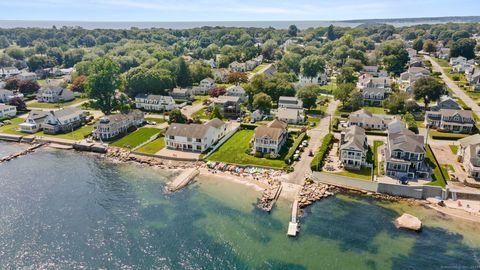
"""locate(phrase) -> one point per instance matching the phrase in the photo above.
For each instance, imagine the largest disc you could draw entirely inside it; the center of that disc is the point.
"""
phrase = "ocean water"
(65, 210)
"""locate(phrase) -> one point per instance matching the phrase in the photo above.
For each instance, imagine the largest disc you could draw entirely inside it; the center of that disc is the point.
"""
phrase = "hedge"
(317, 161)
(248, 126)
(294, 147)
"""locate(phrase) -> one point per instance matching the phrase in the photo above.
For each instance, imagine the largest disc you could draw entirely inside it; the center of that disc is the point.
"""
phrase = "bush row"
(317, 161)
(294, 147)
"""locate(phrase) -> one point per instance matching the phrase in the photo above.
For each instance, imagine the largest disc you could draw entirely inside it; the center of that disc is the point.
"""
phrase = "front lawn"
(437, 178)
(11, 128)
(235, 150)
(136, 138)
(441, 62)
(364, 174)
(78, 134)
(201, 114)
(152, 147)
(44, 105)
(155, 119)
(200, 99)
(258, 68)
(437, 135)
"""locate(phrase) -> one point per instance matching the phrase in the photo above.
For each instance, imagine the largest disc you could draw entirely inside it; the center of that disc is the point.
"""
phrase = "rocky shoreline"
(270, 195)
(27, 151)
(314, 191)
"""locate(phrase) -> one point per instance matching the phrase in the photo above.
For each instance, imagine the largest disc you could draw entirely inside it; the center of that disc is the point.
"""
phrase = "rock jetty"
(27, 151)
(270, 195)
(312, 192)
(122, 155)
(409, 222)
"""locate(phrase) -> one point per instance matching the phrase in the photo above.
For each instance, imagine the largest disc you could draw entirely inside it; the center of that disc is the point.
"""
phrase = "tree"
(217, 91)
(417, 44)
(308, 95)
(394, 56)
(15, 52)
(19, 103)
(355, 100)
(463, 47)
(78, 85)
(312, 65)
(28, 87)
(200, 71)
(396, 102)
(268, 49)
(428, 88)
(4, 43)
(102, 83)
(237, 77)
(36, 62)
(290, 62)
(331, 35)
(262, 102)
(411, 123)
(292, 30)
(347, 75)
(343, 91)
(183, 74)
(176, 116)
(429, 46)
(216, 113)
(12, 83)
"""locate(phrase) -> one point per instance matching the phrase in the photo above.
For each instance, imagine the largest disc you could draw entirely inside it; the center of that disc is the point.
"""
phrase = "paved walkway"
(344, 181)
(302, 167)
(454, 87)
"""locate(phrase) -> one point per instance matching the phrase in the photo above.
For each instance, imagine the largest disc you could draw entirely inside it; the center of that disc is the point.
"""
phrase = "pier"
(21, 153)
(182, 180)
(293, 224)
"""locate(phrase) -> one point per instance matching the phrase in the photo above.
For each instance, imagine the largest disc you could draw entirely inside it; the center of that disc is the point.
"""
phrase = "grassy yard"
(437, 135)
(258, 68)
(235, 151)
(200, 99)
(376, 145)
(11, 128)
(201, 114)
(44, 105)
(441, 62)
(156, 119)
(329, 87)
(312, 119)
(453, 148)
(374, 110)
(437, 178)
(363, 174)
(76, 135)
(153, 147)
(136, 138)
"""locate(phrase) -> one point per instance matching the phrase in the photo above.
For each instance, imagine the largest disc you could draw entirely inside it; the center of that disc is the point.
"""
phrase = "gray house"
(354, 148)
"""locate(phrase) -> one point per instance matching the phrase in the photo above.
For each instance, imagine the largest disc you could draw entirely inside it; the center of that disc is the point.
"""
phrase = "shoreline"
(260, 181)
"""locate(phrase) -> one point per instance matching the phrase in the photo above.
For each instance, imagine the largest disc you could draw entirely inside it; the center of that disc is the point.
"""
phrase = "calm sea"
(65, 210)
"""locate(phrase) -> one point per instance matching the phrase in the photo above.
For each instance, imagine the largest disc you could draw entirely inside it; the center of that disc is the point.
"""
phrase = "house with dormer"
(54, 94)
(469, 154)
(115, 125)
(237, 91)
(374, 96)
(269, 139)
(447, 120)
(353, 148)
(194, 137)
(154, 102)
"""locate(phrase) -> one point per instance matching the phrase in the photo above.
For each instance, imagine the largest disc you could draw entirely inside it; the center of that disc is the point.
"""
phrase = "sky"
(231, 10)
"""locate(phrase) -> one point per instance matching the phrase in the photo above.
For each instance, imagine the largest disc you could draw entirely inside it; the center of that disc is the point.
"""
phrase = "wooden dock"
(182, 180)
(293, 224)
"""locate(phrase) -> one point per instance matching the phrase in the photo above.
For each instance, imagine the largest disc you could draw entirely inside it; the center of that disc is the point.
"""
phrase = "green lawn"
(234, 151)
(437, 135)
(201, 114)
(11, 128)
(376, 145)
(364, 174)
(136, 138)
(453, 148)
(329, 87)
(437, 178)
(44, 105)
(374, 110)
(258, 68)
(441, 62)
(313, 119)
(76, 135)
(156, 119)
(200, 99)
(153, 147)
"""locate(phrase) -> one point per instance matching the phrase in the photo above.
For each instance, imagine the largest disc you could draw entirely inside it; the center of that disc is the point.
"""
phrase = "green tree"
(347, 75)
(429, 46)
(394, 56)
(428, 88)
(355, 100)
(463, 47)
(102, 83)
(292, 30)
(200, 71)
(15, 52)
(176, 116)
(312, 65)
(308, 95)
(418, 44)
(343, 92)
(183, 74)
(262, 102)
(290, 62)
(216, 113)
(331, 35)
(396, 102)
(411, 123)
(28, 87)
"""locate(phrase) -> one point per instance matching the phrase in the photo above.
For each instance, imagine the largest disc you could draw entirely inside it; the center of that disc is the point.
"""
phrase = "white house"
(34, 121)
(469, 154)
(221, 74)
(447, 120)
(290, 102)
(207, 83)
(7, 110)
(7, 72)
(194, 137)
(354, 148)
(237, 67)
(291, 116)
(154, 102)
(7, 95)
(54, 94)
(321, 79)
(236, 91)
(182, 93)
(457, 60)
(270, 138)
(366, 120)
(27, 76)
(63, 120)
(114, 125)
(446, 102)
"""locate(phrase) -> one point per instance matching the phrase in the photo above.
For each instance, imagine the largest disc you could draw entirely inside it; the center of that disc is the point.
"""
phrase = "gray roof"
(37, 115)
(470, 140)
(67, 113)
(157, 98)
(354, 138)
(273, 130)
(196, 131)
(216, 123)
(406, 140)
(374, 91)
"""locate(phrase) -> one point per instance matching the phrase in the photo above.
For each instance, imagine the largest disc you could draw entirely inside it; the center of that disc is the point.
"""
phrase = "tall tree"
(183, 74)
(292, 30)
(308, 95)
(262, 102)
(28, 87)
(102, 83)
(216, 113)
(463, 47)
(331, 35)
(418, 44)
(176, 116)
(312, 65)
(343, 92)
(347, 75)
(428, 88)
(78, 84)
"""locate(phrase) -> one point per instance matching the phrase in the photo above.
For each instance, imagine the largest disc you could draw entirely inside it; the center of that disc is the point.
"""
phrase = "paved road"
(455, 88)
(302, 167)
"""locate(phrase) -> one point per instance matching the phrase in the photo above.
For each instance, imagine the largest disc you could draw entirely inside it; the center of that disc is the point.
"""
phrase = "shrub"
(294, 147)
(317, 161)
(456, 78)
(411, 124)
(258, 154)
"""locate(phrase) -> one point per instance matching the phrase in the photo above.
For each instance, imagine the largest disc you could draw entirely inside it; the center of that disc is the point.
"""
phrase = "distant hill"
(411, 21)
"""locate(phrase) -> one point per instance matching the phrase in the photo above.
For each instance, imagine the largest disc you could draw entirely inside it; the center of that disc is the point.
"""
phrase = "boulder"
(407, 221)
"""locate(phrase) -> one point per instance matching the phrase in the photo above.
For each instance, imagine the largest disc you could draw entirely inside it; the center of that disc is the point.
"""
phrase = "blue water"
(65, 210)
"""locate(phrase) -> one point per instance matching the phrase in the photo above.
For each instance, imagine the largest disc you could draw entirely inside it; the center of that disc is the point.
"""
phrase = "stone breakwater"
(22, 153)
(312, 192)
(270, 195)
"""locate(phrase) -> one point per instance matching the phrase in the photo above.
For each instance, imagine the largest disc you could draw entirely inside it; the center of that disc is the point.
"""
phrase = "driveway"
(189, 110)
(302, 167)
(455, 88)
